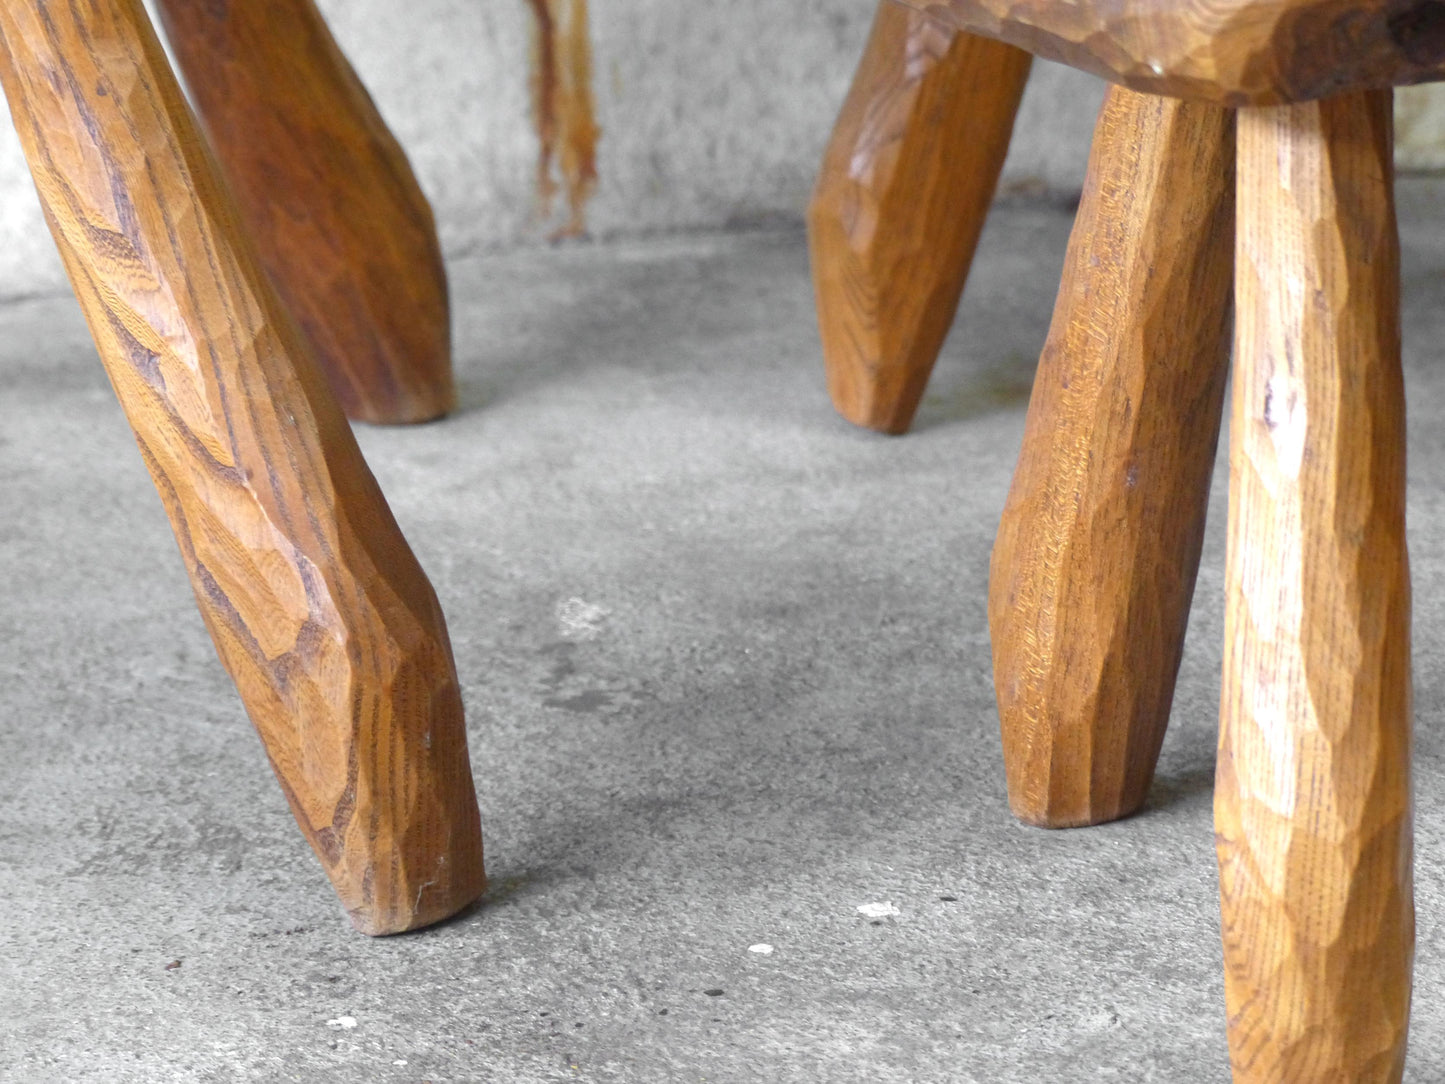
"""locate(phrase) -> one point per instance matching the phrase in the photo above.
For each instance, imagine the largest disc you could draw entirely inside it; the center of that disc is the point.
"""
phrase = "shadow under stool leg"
(316, 605)
(1093, 570)
(327, 194)
(900, 201)
(1312, 794)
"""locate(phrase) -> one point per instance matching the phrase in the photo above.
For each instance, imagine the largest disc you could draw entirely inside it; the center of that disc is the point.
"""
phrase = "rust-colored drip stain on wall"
(563, 110)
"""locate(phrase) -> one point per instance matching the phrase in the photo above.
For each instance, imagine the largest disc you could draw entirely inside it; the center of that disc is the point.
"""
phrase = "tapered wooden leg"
(315, 603)
(1094, 566)
(328, 196)
(900, 202)
(1312, 797)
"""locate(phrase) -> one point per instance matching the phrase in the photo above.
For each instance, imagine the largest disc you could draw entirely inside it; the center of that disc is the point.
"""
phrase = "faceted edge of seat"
(1233, 52)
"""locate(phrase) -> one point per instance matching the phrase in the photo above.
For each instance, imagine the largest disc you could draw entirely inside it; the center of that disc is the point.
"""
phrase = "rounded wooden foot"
(1312, 797)
(327, 194)
(1094, 566)
(900, 202)
(316, 604)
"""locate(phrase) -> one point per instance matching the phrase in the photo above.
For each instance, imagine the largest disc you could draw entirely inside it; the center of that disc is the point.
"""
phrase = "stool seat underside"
(1234, 52)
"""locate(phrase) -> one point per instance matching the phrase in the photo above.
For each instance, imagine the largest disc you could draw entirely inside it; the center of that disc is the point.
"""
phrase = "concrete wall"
(1420, 128)
(713, 116)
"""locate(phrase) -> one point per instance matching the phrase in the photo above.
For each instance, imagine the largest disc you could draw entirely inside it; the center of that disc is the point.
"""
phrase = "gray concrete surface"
(1420, 127)
(727, 676)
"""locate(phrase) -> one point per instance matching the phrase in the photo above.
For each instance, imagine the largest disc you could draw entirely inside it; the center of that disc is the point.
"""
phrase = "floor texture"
(727, 677)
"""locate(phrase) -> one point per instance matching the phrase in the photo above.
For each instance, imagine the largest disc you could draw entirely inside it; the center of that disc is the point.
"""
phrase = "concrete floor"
(727, 674)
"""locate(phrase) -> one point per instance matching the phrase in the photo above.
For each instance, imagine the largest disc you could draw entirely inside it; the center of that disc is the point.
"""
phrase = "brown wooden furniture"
(316, 604)
(900, 203)
(339, 649)
(1276, 137)
(328, 198)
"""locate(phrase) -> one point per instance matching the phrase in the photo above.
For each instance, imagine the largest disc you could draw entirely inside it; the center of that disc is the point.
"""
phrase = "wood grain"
(328, 197)
(899, 204)
(316, 605)
(1235, 52)
(1312, 795)
(1094, 566)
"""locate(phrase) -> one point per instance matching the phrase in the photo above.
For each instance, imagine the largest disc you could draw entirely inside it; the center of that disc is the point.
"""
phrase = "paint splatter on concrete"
(580, 620)
(563, 109)
(878, 910)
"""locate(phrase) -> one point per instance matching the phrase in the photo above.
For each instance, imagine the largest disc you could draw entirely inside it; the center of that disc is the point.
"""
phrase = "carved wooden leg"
(900, 202)
(1094, 566)
(315, 603)
(328, 196)
(1312, 797)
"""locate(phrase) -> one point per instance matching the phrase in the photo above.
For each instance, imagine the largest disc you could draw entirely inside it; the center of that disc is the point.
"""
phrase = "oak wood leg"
(316, 605)
(325, 190)
(1094, 566)
(900, 202)
(1312, 796)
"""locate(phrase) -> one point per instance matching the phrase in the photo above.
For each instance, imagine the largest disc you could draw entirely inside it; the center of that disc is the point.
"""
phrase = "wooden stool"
(316, 604)
(1094, 566)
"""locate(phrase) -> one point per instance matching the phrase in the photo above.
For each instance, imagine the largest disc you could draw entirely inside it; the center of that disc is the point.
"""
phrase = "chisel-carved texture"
(1093, 570)
(900, 202)
(328, 196)
(1312, 796)
(315, 603)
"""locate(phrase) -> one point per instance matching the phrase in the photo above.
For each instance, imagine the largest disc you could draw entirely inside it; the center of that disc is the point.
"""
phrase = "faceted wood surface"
(315, 603)
(1235, 52)
(1312, 797)
(1094, 566)
(327, 196)
(900, 202)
